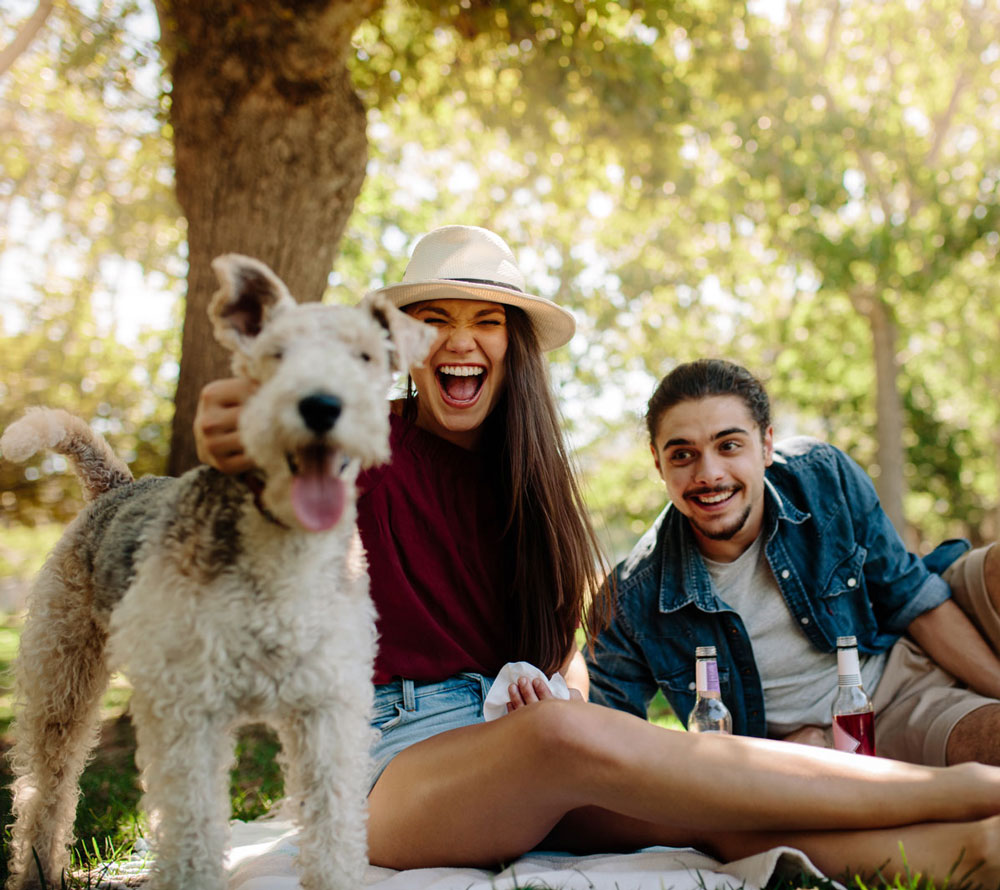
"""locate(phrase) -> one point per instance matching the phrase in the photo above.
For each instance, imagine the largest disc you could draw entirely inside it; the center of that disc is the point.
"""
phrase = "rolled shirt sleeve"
(900, 587)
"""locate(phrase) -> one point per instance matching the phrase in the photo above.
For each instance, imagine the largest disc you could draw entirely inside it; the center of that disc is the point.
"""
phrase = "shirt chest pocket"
(843, 597)
(680, 689)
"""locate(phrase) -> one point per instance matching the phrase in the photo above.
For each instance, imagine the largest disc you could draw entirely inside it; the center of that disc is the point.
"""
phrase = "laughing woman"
(480, 554)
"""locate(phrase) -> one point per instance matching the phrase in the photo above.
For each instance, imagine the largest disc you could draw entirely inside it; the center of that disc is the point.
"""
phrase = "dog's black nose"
(320, 412)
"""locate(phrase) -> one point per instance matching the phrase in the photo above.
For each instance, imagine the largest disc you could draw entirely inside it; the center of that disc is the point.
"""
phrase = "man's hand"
(216, 432)
(809, 735)
(954, 643)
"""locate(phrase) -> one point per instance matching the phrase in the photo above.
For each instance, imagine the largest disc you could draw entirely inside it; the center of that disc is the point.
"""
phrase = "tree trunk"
(270, 153)
(891, 484)
(991, 527)
(991, 530)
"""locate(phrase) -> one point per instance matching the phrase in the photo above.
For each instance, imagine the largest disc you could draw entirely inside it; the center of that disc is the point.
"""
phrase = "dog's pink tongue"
(317, 499)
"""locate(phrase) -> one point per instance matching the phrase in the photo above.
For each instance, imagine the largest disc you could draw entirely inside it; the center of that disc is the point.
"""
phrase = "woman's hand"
(216, 432)
(527, 692)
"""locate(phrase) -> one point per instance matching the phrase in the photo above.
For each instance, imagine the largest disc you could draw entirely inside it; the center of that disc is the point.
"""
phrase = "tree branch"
(832, 35)
(10, 53)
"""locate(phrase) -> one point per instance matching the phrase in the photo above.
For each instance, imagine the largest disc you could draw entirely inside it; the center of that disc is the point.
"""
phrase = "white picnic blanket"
(262, 858)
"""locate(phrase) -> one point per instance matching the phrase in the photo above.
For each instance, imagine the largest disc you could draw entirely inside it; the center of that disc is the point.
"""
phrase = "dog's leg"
(325, 755)
(60, 676)
(186, 754)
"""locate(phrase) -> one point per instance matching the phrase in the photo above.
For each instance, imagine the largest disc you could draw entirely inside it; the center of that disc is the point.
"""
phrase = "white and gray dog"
(224, 599)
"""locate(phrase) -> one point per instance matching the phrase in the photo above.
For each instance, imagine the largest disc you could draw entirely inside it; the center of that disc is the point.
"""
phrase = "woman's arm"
(574, 670)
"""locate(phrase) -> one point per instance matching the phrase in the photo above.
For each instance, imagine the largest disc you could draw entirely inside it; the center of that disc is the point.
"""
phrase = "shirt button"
(851, 582)
(785, 573)
(805, 620)
(691, 686)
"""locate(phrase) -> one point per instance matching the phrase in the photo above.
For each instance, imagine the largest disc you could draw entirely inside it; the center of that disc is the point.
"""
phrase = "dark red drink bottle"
(853, 714)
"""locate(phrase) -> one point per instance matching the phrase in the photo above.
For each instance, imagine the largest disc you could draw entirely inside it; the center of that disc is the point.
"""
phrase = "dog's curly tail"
(97, 466)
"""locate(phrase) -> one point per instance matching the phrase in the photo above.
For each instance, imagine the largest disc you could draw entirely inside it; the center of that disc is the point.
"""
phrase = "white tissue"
(495, 704)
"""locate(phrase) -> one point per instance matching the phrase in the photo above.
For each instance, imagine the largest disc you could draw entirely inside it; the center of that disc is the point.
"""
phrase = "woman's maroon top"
(431, 522)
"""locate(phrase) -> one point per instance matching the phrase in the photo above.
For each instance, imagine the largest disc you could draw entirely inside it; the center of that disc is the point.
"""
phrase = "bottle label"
(854, 733)
(848, 665)
(706, 675)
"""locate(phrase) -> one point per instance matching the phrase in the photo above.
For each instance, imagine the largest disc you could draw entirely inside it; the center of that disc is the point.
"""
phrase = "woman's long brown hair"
(556, 569)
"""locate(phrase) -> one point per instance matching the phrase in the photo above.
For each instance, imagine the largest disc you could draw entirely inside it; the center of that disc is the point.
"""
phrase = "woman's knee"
(567, 733)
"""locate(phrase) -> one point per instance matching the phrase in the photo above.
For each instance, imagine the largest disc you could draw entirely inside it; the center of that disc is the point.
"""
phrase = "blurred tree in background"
(62, 361)
(813, 194)
(871, 171)
(88, 227)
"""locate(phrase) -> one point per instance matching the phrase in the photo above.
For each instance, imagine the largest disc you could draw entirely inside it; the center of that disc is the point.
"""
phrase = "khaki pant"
(918, 704)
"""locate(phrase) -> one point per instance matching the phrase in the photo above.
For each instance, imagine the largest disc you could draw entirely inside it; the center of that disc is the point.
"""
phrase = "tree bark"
(270, 153)
(992, 530)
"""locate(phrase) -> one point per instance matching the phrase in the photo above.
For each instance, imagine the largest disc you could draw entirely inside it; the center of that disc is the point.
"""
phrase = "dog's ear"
(409, 339)
(249, 295)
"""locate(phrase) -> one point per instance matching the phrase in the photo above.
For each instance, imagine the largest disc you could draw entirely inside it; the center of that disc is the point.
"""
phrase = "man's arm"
(904, 592)
(900, 588)
(952, 641)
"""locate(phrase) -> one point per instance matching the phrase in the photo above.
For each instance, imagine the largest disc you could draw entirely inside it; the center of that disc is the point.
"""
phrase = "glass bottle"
(853, 714)
(709, 714)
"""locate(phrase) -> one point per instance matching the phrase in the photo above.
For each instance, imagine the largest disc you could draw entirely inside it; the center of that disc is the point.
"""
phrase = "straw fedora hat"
(470, 263)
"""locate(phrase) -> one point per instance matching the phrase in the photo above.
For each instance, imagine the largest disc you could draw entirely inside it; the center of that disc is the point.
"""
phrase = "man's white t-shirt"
(800, 682)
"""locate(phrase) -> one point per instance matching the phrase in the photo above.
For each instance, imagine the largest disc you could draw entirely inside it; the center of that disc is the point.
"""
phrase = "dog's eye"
(277, 354)
(365, 357)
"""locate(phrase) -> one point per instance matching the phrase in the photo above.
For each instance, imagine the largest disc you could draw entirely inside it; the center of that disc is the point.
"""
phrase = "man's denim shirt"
(840, 565)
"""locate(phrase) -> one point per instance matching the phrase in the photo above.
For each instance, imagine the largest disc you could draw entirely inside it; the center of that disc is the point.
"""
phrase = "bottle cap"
(705, 652)
(846, 642)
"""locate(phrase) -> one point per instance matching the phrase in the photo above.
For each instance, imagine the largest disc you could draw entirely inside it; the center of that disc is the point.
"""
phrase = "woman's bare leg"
(487, 793)
(959, 849)
(930, 849)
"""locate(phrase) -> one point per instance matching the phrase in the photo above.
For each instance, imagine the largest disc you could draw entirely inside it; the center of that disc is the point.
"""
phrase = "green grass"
(662, 714)
(256, 780)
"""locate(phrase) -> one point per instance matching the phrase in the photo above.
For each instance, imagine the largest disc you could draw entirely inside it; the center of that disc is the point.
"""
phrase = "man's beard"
(725, 534)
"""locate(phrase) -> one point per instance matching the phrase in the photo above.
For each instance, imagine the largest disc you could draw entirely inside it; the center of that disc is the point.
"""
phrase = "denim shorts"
(407, 712)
